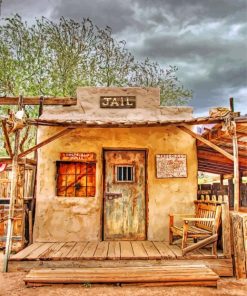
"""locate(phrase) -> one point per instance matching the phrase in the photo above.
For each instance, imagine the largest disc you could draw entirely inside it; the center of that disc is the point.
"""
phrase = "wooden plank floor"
(106, 250)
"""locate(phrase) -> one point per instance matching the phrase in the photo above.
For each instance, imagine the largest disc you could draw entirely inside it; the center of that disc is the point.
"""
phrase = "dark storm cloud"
(198, 9)
(116, 14)
(206, 39)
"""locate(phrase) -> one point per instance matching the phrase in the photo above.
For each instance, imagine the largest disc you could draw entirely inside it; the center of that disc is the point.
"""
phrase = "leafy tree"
(49, 58)
(52, 59)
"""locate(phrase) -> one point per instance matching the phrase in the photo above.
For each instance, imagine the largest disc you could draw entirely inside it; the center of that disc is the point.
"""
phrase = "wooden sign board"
(78, 156)
(171, 166)
(118, 102)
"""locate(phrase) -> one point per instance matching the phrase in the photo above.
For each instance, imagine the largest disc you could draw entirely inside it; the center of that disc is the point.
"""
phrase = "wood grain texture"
(238, 243)
(151, 250)
(25, 252)
(89, 250)
(64, 250)
(126, 250)
(39, 251)
(114, 252)
(188, 273)
(101, 250)
(222, 267)
(65, 101)
(138, 250)
(77, 250)
(124, 199)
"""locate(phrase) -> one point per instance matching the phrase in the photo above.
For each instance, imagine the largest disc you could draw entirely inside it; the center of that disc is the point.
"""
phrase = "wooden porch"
(114, 253)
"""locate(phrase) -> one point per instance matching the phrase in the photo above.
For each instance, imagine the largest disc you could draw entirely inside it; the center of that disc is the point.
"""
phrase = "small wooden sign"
(171, 166)
(78, 156)
(118, 102)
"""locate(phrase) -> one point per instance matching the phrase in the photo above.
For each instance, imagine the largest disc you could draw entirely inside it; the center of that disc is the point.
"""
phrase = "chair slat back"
(208, 211)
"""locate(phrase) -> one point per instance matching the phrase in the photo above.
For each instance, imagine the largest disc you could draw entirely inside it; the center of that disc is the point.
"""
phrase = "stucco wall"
(77, 219)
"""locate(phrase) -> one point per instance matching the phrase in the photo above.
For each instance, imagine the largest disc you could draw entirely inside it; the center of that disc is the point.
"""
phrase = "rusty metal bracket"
(111, 196)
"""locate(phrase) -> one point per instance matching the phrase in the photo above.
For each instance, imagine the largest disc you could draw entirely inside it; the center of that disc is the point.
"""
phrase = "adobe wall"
(79, 219)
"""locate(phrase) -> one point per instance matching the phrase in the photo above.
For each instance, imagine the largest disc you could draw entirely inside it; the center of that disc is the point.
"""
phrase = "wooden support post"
(238, 243)
(7, 140)
(221, 179)
(226, 228)
(236, 169)
(41, 104)
(171, 224)
(12, 196)
(30, 227)
(47, 141)
(185, 234)
(245, 240)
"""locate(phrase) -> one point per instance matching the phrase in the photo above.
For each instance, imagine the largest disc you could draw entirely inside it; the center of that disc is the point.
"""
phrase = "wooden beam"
(228, 142)
(211, 155)
(143, 124)
(216, 167)
(208, 143)
(28, 161)
(200, 244)
(212, 170)
(45, 142)
(7, 140)
(65, 101)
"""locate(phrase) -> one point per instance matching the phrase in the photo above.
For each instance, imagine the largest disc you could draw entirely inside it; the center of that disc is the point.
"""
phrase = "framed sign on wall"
(171, 166)
(78, 156)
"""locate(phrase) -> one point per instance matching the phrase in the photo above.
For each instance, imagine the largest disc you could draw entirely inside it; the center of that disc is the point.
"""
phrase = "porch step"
(197, 275)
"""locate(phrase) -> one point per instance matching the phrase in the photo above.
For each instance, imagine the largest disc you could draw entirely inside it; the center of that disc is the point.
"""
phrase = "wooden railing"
(216, 191)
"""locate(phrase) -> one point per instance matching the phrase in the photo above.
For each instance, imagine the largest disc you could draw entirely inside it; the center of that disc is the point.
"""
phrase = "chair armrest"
(181, 215)
(199, 219)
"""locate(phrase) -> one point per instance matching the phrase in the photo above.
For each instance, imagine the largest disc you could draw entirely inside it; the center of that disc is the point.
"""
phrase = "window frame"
(124, 181)
(87, 163)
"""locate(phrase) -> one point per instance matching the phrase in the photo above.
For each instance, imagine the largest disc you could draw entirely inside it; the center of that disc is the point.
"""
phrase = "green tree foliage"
(53, 59)
(49, 58)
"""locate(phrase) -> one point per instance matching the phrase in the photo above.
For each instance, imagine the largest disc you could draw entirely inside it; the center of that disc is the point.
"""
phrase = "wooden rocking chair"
(202, 226)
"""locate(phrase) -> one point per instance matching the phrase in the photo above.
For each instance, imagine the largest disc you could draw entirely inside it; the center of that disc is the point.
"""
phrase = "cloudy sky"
(206, 39)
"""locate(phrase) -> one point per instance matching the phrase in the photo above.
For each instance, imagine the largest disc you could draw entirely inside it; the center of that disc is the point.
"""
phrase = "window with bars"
(76, 179)
(125, 173)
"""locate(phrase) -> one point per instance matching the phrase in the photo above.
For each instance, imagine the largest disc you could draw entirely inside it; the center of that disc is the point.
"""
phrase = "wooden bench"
(202, 226)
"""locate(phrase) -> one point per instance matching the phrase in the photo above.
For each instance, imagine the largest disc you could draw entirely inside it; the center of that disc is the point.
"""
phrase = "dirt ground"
(11, 284)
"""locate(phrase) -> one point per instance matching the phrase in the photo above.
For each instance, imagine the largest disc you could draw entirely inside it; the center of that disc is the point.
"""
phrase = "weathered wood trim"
(223, 267)
(35, 100)
(27, 161)
(236, 168)
(124, 124)
(238, 243)
(7, 140)
(45, 142)
(226, 230)
(200, 244)
(205, 141)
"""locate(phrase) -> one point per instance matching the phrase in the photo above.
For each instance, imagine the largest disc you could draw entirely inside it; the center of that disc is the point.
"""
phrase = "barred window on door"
(125, 173)
(76, 179)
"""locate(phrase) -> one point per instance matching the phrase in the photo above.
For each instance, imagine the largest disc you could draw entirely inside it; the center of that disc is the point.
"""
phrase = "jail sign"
(118, 102)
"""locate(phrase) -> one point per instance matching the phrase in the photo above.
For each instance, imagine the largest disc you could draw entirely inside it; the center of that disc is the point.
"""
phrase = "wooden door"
(124, 195)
